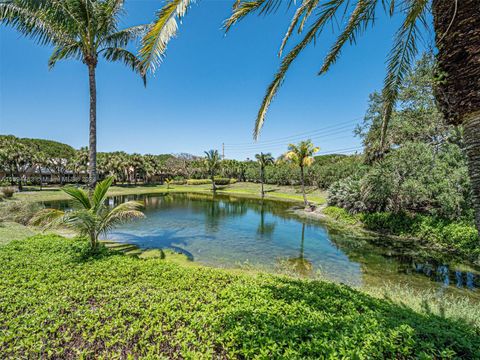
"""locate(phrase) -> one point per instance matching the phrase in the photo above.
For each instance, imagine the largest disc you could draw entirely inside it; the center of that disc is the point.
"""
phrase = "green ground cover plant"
(458, 236)
(59, 301)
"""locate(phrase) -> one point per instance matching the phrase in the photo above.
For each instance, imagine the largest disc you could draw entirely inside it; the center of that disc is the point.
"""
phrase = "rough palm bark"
(457, 29)
(262, 179)
(92, 149)
(212, 176)
(302, 179)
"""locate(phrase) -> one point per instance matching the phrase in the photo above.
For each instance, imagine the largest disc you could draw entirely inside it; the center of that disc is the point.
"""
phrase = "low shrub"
(341, 215)
(178, 182)
(18, 211)
(222, 181)
(65, 305)
(198, 181)
(8, 191)
(461, 236)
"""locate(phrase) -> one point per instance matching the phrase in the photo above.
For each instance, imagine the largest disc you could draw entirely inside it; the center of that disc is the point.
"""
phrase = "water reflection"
(445, 276)
(225, 231)
(265, 229)
(300, 264)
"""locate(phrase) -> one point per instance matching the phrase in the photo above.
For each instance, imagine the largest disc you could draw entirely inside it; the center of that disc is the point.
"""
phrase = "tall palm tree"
(94, 217)
(302, 156)
(457, 35)
(264, 160)
(82, 30)
(212, 164)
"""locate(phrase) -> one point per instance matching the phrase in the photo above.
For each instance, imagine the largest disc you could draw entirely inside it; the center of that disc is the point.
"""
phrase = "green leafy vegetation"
(66, 303)
(92, 217)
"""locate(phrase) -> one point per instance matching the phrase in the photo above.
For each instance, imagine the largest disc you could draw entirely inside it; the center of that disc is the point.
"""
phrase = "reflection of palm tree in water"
(265, 229)
(300, 264)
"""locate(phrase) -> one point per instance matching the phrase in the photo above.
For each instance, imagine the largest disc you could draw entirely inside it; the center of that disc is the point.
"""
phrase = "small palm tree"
(94, 217)
(212, 163)
(302, 155)
(264, 160)
(81, 30)
(168, 182)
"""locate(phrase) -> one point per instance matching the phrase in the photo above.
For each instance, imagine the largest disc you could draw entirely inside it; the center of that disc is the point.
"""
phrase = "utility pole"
(223, 151)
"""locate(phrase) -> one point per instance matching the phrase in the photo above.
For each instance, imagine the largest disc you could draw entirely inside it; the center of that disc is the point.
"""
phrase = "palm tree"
(264, 160)
(212, 163)
(302, 156)
(82, 30)
(94, 217)
(456, 25)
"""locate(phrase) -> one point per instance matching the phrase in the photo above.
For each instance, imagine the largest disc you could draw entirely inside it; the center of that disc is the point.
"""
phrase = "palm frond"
(243, 8)
(122, 213)
(33, 18)
(361, 17)
(64, 52)
(47, 218)
(123, 37)
(128, 58)
(154, 43)
(304, 10)
(79, 195)
(326, 15)
(401, 58)
(100, 193)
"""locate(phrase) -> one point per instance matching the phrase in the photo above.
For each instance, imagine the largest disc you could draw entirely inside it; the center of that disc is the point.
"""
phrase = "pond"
(225, 231)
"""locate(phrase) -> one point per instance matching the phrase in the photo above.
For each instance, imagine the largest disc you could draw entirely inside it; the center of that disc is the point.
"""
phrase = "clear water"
(225, 231)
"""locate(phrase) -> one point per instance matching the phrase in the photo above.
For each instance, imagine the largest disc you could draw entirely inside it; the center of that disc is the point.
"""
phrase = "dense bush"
(65, 304)
(329, 169)
(416, 177)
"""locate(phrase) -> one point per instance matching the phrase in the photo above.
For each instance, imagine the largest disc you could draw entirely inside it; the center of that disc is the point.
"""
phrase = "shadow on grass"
(324, 320)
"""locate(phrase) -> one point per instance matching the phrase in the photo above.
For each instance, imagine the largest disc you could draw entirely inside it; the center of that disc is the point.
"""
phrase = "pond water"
(225, 231)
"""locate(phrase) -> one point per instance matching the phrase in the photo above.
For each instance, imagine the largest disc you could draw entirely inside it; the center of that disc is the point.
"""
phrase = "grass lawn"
(288, 193)
(58, 302)
(10, 231)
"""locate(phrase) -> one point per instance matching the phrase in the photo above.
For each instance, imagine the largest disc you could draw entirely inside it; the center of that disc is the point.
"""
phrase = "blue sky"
(207, 91)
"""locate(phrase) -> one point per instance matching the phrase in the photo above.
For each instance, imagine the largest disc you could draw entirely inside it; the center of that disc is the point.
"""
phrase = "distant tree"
(16, 158)
(94, 217)
(302, 156)
(212, 164)
(79, 163)
(264, 160)
(81, 30)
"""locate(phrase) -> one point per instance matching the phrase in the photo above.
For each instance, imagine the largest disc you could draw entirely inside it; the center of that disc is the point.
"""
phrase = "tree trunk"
(262, 179)
(302, 179)
(457, 36)
(214, 187)
(472, 146)
(92, 149)
(20, 187)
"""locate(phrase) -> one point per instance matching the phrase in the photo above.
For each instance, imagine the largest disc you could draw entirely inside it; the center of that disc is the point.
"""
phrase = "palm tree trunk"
(214, 188)
(457, 31)
(472, 146)
(302, 179)
(92, 149)
(262, 181)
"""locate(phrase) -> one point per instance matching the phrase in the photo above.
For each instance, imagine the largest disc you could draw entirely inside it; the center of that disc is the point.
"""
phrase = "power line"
(338, 126)
(284, 144)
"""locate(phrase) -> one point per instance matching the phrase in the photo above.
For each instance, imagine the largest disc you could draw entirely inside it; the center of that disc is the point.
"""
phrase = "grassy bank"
(457, 237)
(57, 302)
(289, 193)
